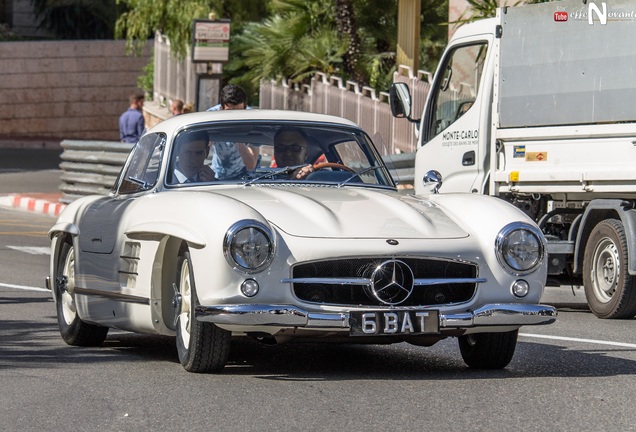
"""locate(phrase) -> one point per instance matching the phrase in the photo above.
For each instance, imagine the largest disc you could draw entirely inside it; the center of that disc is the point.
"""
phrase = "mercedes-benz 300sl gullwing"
(196, 242)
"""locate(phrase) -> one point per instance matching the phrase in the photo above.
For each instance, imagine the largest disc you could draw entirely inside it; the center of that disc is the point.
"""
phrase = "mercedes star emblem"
(392, 282)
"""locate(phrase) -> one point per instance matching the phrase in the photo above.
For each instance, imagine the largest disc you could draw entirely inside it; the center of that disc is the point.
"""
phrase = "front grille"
(360, 295)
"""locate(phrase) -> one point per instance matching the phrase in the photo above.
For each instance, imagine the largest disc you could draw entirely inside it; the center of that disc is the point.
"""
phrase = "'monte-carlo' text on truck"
(538, 106)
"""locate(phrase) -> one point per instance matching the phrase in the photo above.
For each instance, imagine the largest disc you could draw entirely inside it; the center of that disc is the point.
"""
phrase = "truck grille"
(332, 288)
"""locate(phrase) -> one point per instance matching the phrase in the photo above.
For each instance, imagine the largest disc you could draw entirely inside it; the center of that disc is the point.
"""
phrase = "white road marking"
(22, 287)
(33, 250)
(570, 339)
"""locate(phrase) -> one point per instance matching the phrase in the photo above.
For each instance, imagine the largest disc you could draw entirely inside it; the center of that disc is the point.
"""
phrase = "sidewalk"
(41, 203)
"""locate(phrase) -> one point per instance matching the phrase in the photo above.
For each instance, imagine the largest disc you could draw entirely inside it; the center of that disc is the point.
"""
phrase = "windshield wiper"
(354, 175)
(270, 174)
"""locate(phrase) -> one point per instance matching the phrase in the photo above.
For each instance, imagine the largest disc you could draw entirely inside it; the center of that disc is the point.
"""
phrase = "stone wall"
(54, 90)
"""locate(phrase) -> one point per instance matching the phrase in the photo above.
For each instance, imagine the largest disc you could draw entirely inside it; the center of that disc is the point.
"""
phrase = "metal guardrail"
(91, 167)
(402, 167)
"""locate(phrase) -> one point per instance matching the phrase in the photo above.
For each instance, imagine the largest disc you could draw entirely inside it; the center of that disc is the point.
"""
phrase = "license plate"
(395, 322)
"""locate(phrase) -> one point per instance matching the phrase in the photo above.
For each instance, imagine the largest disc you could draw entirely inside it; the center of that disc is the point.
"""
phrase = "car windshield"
(255, 153)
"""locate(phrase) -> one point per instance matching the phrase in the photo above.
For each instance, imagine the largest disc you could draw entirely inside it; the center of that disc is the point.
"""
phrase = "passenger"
(231, 159)
(192, 149)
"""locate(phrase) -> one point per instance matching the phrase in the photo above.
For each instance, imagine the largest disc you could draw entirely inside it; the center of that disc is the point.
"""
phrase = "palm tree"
(348, 31)
(305, 36)
(281, 47)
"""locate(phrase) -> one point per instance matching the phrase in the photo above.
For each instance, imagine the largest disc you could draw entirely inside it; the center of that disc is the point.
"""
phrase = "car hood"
(348, 212)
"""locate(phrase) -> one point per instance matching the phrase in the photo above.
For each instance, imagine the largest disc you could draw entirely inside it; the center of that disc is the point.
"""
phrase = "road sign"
(211, 41)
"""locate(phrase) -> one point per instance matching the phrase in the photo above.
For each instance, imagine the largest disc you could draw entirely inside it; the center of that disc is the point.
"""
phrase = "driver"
(290, 149)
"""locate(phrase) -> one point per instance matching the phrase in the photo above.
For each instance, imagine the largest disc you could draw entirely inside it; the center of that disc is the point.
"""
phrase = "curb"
(45, 204)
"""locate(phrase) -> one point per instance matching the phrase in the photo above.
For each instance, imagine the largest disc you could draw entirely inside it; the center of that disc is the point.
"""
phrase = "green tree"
(272, 50)
(77, 19)
(173, 18)
(270, 39)
(434, 33)
(305, 36)
(299, 39)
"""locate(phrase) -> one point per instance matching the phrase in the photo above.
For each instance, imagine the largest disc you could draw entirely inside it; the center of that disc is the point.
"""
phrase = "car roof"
(183, 120)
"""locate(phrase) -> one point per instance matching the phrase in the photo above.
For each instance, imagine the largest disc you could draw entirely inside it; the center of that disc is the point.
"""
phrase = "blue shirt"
(227, 162)
(131, 126)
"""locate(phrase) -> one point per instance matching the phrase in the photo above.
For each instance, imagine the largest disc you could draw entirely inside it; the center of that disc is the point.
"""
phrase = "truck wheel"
(609, 288)
(74, 331)
(488, 350)
(202, 346)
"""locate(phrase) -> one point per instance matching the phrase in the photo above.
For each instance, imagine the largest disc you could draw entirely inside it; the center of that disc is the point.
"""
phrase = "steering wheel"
(323, 165)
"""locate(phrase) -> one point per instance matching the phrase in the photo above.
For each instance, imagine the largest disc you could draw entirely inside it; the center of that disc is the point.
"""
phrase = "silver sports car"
(321, 246)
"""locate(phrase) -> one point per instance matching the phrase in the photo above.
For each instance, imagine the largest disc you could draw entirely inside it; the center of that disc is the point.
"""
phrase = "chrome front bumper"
(290, 316)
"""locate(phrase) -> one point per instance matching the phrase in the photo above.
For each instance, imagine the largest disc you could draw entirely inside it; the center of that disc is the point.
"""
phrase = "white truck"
(538, 106)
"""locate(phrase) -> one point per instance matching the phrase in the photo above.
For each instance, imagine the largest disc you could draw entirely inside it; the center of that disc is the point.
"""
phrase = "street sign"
(211, 41)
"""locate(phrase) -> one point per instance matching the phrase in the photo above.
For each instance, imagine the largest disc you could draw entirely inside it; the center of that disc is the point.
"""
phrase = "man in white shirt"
(192, 149)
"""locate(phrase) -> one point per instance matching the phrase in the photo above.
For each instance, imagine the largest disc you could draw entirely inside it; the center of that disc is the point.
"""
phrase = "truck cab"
(454, 133)
(536, 106)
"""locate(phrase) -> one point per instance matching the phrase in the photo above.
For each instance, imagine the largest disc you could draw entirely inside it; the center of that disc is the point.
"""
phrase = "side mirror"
(400, 101)
(432, 181)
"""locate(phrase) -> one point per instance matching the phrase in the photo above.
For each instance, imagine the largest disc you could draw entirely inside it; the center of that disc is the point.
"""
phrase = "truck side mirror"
(400, 101)
(432, 181)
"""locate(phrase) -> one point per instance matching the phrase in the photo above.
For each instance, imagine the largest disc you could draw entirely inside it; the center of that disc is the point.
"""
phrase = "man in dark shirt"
(131, 122)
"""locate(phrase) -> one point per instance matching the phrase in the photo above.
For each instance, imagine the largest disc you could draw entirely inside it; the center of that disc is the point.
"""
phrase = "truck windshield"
(457, 89)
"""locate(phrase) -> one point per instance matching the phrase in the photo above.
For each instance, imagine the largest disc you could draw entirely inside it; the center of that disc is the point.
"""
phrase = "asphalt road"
(29, 170)
(575, 375)
(578, 374)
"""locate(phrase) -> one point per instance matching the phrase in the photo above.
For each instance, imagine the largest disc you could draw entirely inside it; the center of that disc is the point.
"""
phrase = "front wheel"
(202, 346)
(488, 350)
(609, 289)
(74, 331)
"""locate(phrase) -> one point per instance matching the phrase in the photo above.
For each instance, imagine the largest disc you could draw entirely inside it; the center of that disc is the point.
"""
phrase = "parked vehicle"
(339, 255)
(536, 107)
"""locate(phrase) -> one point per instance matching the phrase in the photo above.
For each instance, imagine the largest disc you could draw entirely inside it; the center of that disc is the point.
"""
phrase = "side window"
(458, 87)
(142, 170)
(352, 156)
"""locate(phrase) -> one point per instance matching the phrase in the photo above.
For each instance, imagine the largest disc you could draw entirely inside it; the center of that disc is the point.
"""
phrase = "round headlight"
(520, 248)
(248, 245)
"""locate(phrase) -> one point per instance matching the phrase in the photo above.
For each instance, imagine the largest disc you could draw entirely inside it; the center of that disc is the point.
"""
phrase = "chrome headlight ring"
(520, 248)
(249, 246)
